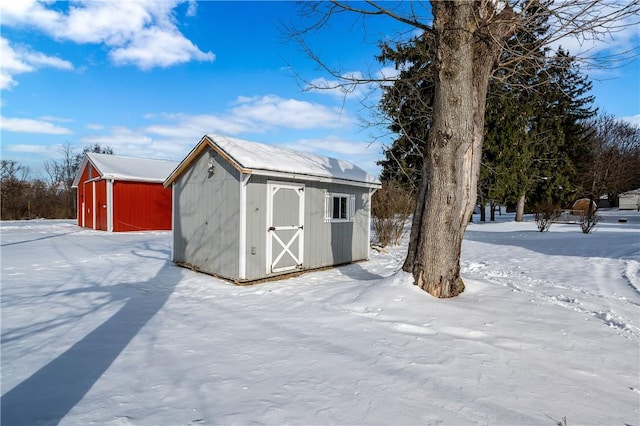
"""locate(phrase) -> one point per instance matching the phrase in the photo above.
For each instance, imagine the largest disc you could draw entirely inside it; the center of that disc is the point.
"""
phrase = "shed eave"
(201, 146)
(315, 178)
(130, 179)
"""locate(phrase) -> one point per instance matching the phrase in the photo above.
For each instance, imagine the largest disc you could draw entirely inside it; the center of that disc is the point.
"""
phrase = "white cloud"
(119, 136)
(155, 47)
(193, 127)
(29, 149)
(352, 85)
(336, 145)
(18, 59)
(274, 111)
(175, 134)
(27, 125)
(388, 73)
(57, 119)
(137, 143)
(253, 115)
(615, 33)
(364, 154)
(193, 8)
(634, 119)
(142, 33)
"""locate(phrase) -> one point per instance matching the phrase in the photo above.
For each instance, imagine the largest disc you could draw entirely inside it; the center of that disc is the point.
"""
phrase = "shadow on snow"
(600, 243)
(51, 392)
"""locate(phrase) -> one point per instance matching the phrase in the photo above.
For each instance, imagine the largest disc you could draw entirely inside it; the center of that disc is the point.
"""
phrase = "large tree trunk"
(520, 208)
(465, 54)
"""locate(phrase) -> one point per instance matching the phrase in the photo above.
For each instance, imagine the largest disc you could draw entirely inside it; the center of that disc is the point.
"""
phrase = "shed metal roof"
(118, 167)
(257, 158)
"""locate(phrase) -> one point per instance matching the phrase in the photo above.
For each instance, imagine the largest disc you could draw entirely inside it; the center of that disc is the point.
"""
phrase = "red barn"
(118, 193)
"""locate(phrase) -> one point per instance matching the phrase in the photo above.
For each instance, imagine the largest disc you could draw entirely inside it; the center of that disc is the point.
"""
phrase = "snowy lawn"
(102, 328)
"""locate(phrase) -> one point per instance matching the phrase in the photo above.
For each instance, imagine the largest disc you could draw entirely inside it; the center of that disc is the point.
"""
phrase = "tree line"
(52, 196)
(544, 142)
(439, 113)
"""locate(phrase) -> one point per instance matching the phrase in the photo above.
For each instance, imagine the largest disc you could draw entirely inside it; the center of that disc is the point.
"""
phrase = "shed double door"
(285, 227)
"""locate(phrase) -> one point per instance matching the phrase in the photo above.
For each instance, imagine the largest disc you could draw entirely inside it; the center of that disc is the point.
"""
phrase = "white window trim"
(328, 207)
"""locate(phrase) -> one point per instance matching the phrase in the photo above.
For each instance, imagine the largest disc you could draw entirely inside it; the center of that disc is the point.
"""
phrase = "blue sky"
(150, 78)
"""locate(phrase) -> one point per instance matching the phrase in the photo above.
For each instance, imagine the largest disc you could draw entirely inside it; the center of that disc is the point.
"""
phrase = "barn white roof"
(118, 167)
(257, 158)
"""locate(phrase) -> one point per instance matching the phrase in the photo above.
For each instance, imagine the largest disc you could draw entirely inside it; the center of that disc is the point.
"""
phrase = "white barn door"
(285, 226)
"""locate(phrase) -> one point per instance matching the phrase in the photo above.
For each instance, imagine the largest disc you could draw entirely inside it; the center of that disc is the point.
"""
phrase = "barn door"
(101, 205)
(285, 227)
(88, 205)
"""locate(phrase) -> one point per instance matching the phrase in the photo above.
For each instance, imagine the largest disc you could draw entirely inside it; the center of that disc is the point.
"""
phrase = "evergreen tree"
(408, 105)
(510, 166)
(535, 138)
(559, 127)
(535, 133)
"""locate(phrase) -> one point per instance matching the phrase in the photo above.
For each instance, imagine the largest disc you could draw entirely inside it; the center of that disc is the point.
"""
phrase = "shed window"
(339, 207)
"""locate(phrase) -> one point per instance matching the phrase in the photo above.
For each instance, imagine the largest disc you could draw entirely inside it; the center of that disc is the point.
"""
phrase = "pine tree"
(408, 105)
(509, 154)
(534, 136)
(535, 133)
(556, 132)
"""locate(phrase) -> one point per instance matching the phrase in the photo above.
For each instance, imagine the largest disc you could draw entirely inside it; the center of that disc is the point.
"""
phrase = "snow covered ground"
(102, 328)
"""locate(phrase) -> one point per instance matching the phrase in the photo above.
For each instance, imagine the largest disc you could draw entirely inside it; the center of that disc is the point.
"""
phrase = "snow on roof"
(632, 193)
(268, 158)
(127, 168)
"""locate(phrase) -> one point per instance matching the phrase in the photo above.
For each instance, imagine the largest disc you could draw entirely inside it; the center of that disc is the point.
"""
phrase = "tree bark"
(416, 222)
(520, 208)
(465, 54)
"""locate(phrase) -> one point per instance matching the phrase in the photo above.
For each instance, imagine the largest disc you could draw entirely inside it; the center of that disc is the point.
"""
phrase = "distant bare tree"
(13, 185)
(469, 38)
(62, 173)
(391, 206)
(612, 165)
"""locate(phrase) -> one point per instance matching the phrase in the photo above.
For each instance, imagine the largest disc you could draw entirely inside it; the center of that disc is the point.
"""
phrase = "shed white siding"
(630, 200)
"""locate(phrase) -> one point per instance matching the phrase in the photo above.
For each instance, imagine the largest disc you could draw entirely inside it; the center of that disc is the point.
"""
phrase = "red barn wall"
(141, 206)
(87, 189)
(101, 205)
(80, 193)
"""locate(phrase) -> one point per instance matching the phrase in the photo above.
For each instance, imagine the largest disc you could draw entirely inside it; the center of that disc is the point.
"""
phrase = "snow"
(101, 328)
(128, 168)
(257, 156)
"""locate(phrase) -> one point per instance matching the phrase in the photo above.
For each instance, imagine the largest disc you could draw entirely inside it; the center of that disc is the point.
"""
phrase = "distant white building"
(630, 200)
